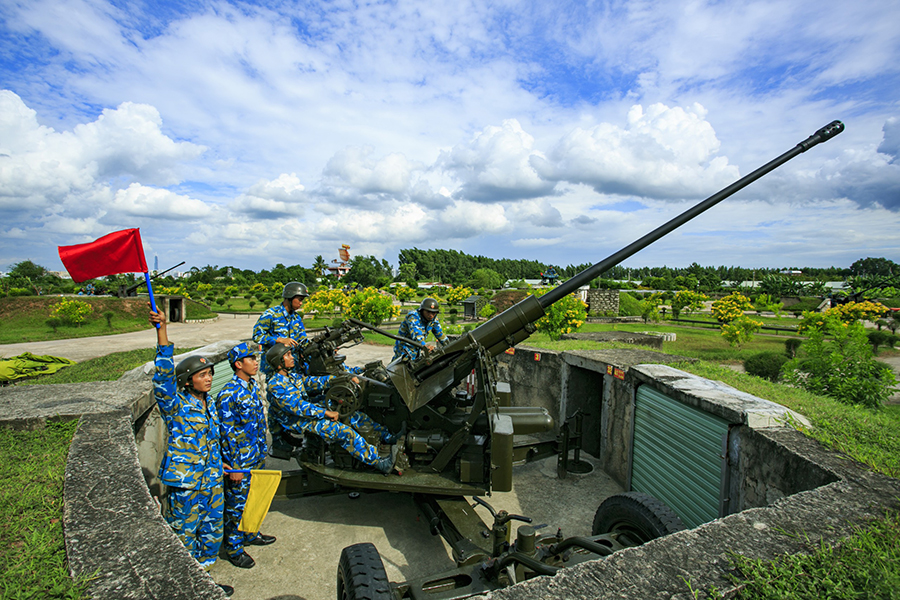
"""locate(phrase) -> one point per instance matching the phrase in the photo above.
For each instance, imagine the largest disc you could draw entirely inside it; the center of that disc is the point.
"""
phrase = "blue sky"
(250, 134)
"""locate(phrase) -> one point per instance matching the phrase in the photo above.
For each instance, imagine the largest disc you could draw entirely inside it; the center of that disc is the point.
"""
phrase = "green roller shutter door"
(222, 375)
(678, 456)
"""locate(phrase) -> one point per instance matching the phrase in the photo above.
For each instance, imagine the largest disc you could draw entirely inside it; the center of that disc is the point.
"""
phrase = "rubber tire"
(640, 516)
(361, 574)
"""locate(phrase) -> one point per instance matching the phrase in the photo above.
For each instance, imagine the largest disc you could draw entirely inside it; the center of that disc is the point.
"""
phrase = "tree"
(874, 266)
(366, 271)
(485, 278)
(319, 265)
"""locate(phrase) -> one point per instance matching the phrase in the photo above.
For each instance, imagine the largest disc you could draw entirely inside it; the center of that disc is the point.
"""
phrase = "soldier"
(283, 324)
(297, 414)
(240, 407)
(192, 465)
(416, 326)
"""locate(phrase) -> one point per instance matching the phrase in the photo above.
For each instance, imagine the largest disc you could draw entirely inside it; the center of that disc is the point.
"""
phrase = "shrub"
(453, 312)
(72, 312)
(54, 323)
(791, 345)
(731, 307)
(371, 306)
(688, 302)
(880, 338)
(740, 330)
(458, 294)
(487, 311)
(766, 365)
(843, 367)
(108, 315)
(564, 316)
(13, 292)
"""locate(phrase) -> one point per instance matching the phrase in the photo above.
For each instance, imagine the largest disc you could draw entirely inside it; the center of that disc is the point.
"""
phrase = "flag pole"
(150, 291)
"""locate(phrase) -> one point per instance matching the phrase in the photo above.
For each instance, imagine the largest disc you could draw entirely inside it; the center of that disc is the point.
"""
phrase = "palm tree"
(319, 265)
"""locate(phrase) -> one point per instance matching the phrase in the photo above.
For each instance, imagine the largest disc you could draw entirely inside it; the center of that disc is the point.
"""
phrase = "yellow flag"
(263, 484)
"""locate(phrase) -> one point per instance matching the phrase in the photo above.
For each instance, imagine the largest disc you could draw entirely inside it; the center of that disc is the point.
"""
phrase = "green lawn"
(32, 550)
(24, 319)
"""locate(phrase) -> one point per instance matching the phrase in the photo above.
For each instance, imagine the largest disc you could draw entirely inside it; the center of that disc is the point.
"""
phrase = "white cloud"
(496, 165)
(143, 201)
(355, 169)
(664, 153)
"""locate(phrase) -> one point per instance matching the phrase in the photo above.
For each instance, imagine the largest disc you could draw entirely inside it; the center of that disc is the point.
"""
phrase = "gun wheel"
(636, 516)
(361, 574)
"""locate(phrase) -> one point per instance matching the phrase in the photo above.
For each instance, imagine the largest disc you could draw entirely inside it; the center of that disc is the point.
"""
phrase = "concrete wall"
(603, 383)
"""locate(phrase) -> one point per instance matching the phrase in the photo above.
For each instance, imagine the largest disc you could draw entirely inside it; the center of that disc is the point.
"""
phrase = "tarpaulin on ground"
(31, 365)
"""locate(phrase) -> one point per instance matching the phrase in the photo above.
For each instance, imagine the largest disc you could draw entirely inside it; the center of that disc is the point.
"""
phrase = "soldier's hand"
(290, 343)
(157, 317)
(333, 415)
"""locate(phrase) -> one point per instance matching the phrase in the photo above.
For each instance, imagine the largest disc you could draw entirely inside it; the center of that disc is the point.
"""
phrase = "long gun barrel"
(516, 323)
(421, 380)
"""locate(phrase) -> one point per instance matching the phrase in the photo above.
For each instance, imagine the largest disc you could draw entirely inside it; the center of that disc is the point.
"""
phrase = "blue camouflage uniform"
(240, 407)
(297, 414)
(415, 328)
(277, 322)
(192, 465)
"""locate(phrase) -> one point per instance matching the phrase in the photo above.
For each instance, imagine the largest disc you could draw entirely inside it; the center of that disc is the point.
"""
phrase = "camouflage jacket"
(290, 403)
(276, 322)
(193, 458)
(243, 423)
(414, 328)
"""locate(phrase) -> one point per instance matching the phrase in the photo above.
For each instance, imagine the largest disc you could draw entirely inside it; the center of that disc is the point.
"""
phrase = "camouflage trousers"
(235, 500)
(347, 437)
(196, 518)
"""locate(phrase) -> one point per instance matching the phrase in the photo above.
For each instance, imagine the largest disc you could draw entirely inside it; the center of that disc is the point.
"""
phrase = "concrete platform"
(312, 531)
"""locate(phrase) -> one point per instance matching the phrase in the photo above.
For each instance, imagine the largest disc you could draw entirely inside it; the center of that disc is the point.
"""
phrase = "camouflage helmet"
(294, 288)
(275, 355)
(431, 305)
(240, 351)
(191, 365)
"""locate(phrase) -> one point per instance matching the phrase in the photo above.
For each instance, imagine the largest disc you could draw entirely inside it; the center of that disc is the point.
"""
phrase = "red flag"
(117, 252)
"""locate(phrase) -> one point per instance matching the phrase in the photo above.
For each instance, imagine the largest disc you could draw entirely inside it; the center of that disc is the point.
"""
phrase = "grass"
(32, 551)
(864, 565)
(24, 319)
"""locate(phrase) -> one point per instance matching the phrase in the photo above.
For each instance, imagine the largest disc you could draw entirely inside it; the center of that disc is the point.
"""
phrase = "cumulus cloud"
(41, 168)
(496, 165)
(661, 153)
(464, 219)
(272, 199)
(355, 169)
(144, 201)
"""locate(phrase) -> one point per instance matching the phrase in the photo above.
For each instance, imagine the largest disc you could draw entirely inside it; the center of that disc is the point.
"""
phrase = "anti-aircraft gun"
(462, 443)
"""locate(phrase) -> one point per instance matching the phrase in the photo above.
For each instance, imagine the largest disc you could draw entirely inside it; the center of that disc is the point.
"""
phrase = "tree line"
(458, 268)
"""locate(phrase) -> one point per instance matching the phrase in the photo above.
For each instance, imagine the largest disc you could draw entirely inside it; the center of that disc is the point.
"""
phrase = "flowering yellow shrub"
(371, 306)
(457, 294)
(846, 313)
(72, 312)
(325, 301)
(564, 316)
(731, 307)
